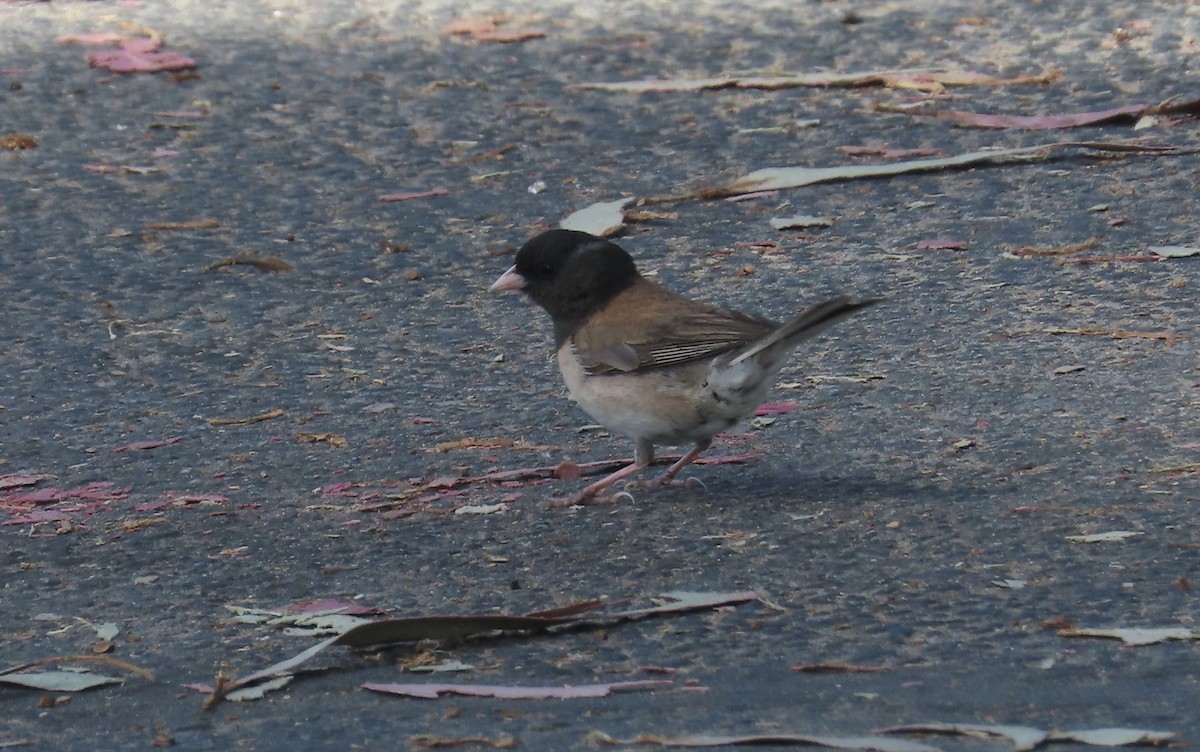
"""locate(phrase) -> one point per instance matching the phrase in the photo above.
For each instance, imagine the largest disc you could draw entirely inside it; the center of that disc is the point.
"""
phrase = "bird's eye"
(546, 269)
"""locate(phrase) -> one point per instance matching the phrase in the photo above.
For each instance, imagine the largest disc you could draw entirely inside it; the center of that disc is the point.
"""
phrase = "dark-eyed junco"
(645, 362)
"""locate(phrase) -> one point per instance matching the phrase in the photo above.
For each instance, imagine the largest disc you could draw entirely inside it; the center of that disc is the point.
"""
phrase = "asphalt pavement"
(249, 360)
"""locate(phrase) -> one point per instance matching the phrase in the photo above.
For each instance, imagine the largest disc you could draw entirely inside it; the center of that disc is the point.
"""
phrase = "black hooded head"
(572, 275)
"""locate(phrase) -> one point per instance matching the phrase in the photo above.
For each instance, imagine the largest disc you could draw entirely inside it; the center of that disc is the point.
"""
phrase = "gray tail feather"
(807, 325)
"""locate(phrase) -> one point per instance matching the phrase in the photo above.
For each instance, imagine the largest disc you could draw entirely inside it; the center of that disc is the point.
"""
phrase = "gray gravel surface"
(942, 443)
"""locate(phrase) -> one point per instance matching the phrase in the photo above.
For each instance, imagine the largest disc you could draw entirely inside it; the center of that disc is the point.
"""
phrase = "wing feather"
(648, 326)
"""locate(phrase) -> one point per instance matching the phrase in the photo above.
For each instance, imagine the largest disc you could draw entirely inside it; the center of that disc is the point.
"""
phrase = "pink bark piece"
(102, 491)
(15, 480)
(42, 515)
(433, 691)
(944, 245)
(507, 36)
(91, 492)
(139, 55)
(329, 604)
(775, 408)
(198, 687)
(40, 496)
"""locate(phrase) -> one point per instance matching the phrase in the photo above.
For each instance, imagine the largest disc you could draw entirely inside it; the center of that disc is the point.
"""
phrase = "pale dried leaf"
(454, 628)
(1111, 535)
(799, 221)
(1175, 251)
(59, 681)
(433, 691)
(1010, 584)
(1038, 122)
(107, 631)
(600, 219)
(1023, 738)
(1114, 737)
(476, 509)
(1135, 636)
(256, 691)
(694, 741)
(321, 624)
(777, 178)
(1062, 371)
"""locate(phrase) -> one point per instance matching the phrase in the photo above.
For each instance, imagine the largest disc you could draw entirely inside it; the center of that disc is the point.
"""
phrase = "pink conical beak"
(509, 280)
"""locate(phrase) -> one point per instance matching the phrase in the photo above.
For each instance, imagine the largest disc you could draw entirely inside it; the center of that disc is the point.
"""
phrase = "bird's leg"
(643, 455)
(681, 463)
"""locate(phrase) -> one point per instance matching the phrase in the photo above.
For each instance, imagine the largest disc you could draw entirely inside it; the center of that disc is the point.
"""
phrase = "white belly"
(663, 406)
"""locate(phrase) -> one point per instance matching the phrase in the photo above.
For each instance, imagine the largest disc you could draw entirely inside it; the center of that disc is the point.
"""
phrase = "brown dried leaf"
(428, 741)
(412, 195)
(837, 668)
(456, 628)
(265, 264)
(1112, 259)
(18, 141)
(450, 446)
(921, 80)
(204, 223)
(268, 415)
(332, 439)
(1129, 114)
(132, 526)
(1116, 333)
(1065, 250)
(567, 470)
(138, 446)
(886, 153)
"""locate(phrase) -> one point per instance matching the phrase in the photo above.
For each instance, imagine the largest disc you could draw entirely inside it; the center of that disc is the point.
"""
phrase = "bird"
(648, 363)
